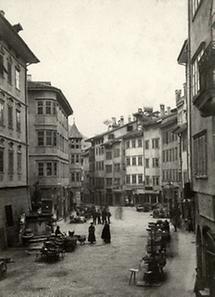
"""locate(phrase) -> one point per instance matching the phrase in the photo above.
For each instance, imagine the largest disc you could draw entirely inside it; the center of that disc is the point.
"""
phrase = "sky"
(109, 57)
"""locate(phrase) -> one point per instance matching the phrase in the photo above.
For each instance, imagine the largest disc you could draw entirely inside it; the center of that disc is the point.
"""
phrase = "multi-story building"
(171, 175)
(48, 145)
(150, 126)
(201, 107)
(107, 164)
(14, 197)
(134, 162)
(75, 167)
(86, 196)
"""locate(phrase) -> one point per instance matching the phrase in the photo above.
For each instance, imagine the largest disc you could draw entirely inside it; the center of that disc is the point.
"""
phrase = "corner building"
(48, 145)
(14, 196)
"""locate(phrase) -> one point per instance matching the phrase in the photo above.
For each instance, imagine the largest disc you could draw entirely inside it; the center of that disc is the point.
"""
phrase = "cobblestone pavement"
(102, 270)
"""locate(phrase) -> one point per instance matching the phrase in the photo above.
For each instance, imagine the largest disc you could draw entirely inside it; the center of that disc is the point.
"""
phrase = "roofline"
(108, 132)
(16, 38)
(52, 88)
(183, 49)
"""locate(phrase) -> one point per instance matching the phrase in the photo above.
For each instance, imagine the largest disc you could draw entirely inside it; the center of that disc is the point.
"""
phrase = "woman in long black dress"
(91, 235)
(106, 233)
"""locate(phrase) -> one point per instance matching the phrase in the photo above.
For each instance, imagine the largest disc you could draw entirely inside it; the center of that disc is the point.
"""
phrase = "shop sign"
(207, 206)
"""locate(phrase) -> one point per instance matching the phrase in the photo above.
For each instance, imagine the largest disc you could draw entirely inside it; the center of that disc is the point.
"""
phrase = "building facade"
(171, 175)
(48, 145)
(201, 104)
(14, 196)
(75, 165)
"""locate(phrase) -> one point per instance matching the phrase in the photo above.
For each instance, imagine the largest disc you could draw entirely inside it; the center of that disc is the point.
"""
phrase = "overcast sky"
(109, 57)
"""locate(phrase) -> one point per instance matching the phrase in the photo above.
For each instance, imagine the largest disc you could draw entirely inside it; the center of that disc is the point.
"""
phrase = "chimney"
(121, 120)
(29, 77)
(177, 95)
(17, 27)
(168, 110)
(2, 13)
(162, 110)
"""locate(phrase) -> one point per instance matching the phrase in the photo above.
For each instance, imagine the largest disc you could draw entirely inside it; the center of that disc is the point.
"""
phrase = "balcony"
(205, 99)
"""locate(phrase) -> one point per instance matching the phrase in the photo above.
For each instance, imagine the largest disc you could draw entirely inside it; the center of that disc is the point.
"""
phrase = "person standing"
(106, 233)
(99, 216)
(108, 216)
(91, 234)
(94, 217)
(104, 216)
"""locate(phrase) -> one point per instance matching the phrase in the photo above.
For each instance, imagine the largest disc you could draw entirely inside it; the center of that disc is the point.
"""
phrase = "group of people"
(101, 216)
(106, 236)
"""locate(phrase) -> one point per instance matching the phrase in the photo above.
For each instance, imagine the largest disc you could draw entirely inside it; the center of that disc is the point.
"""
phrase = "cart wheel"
(3, 269)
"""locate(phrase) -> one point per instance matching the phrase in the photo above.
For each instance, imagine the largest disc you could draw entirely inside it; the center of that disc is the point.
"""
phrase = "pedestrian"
(108, 216)
(94, 217)
(99, 216)
(104, 220)
(106, 233)
(91, 235)
(57, 231)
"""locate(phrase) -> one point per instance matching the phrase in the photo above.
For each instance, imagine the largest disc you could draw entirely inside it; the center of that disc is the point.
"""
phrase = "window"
(133, 143)
(147, 144)
(10, 116)
(1, 160)
(200, 154)
(155, 180)
(140, 160)
(48, 137)
(155, 143)
(55, 168)
(134, 162)
(9, 215)
(195, 74)
(10, 162)
(176, 153)
(109, 181)
(163, 156)
(77, 159)
(140, 178)
(48, 107)
(117, 167)
(108, 168)
(18, 120)
(1, 113)
(134, 179)
(48, 168)
(55, 138)
(140, 143)
(40, 107)
(41, 169)
(128, 161)
(147, 180)
(147, 163)
(9, 72)
(127, 144)
(40, 138)
(54, 107)
(19, 162)
(72, 176)
(128, 179)
(116, 153)
(17, 78)
(155, 162)
(117, 181)
(108, 155)
(195, 6)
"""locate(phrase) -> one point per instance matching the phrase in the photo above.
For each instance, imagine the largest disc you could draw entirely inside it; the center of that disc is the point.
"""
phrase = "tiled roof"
(74, 132)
